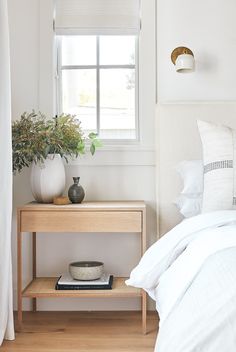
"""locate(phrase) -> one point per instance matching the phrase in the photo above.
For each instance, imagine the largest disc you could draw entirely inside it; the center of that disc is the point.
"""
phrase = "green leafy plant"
(34, 137)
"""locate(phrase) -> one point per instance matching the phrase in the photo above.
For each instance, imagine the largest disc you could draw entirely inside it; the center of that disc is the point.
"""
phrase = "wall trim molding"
(197, 102)
(117, 158)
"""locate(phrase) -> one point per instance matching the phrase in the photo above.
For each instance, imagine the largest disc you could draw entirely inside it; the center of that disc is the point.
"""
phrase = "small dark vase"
(76, 192)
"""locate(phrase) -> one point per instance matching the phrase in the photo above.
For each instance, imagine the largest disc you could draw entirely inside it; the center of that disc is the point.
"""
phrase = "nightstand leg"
(19, 277)
(144, 294)
(144, 312)
(34, 266)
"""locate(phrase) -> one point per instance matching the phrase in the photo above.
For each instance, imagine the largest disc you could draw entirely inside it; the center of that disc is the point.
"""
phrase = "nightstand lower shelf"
(45, 287)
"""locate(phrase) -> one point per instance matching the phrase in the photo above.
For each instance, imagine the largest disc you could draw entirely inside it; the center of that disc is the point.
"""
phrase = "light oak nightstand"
(119, 216)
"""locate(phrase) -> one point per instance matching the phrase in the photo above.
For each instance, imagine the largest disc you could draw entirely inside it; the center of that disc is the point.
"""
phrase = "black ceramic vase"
(76, 192)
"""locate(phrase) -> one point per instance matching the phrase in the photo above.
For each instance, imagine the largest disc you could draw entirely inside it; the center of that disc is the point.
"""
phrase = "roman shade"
(98, 17)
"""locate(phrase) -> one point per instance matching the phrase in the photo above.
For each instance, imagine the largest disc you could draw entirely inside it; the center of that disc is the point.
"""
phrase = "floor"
(84, 332)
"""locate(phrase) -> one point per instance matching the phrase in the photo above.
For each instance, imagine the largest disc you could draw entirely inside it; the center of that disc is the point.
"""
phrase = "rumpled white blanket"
(168, 272)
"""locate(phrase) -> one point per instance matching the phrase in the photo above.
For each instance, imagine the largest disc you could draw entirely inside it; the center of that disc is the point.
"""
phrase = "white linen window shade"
(97, 17)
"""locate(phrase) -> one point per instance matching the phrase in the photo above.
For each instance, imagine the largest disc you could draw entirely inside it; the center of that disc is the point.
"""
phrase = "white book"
(66, 279)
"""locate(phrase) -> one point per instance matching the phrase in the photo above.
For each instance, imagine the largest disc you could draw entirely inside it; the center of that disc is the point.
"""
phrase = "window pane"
(117, 106)
(79, 96)
(117, 50)
(78, 50)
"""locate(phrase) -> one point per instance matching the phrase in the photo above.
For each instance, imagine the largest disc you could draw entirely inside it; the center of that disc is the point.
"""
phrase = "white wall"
(179, 140)
(208, 28)
(112, 174)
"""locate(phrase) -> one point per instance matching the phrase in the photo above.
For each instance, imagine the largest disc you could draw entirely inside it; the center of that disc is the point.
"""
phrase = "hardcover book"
(66, 282)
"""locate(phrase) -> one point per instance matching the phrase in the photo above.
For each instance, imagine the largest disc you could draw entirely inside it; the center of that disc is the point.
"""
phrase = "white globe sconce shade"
(183, 59)
(184, 63)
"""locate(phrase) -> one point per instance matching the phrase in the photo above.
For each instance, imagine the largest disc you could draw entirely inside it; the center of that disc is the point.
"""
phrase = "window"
(97, 81)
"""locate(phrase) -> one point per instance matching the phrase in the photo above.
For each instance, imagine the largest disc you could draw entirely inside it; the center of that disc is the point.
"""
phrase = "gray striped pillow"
(219, 150)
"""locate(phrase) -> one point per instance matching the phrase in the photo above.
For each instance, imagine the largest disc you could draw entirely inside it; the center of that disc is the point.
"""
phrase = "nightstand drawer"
(81, 221)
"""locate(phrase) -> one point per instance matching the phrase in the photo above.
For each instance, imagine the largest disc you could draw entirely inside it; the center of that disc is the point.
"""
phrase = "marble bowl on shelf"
(86, 270)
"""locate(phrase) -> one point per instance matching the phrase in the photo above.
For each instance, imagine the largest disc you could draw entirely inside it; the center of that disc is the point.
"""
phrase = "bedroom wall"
(208, 28)
(111, 174)
(179, 140)
(208, 93)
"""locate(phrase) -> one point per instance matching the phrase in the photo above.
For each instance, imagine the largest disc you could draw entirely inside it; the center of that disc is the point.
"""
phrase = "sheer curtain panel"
(6, 309)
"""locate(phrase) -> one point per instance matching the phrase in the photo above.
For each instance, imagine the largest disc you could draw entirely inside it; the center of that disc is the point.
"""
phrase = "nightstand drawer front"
(86, 221)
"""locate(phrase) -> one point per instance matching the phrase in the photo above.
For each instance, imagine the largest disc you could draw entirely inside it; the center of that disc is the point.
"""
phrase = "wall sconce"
(183, 59)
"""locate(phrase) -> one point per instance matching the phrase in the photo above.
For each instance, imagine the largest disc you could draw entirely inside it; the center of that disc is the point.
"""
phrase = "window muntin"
(100, 85)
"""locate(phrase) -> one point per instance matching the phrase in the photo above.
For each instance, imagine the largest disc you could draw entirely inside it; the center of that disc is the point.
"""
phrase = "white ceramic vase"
(48, 179)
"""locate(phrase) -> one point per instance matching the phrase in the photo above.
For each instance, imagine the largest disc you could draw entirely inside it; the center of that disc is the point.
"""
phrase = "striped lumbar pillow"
(219, 151)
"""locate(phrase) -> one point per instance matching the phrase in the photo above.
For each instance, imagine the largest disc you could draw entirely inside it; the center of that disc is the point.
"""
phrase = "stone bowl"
(86, 270)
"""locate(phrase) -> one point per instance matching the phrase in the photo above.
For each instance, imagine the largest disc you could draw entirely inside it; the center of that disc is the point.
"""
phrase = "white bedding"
(191, 273)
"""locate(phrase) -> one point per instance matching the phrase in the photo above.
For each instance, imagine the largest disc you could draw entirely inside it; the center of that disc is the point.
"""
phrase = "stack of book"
(66, 282)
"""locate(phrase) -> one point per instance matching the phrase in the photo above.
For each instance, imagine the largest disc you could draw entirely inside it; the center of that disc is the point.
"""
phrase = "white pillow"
(191, 172)
(189, 205)
(190, 201)
(219, 148)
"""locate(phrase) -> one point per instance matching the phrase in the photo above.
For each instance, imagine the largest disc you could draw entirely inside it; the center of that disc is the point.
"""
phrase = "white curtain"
(6, 309)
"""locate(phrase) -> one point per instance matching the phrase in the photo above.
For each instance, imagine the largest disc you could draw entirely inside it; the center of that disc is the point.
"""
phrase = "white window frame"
(139, 153)
(98, 67)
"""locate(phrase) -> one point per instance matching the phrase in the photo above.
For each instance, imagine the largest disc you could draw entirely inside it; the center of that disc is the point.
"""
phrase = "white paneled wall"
(111, 174)
(179, 140)
(208, 28)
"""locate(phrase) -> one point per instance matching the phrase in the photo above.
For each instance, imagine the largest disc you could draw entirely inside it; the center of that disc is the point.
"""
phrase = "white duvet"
(191, 274)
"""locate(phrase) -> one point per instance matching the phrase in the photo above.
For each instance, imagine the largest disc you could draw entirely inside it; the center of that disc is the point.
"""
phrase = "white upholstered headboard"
(178, 139)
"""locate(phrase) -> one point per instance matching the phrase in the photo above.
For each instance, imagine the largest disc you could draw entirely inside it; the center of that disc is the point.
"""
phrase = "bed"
(191, 274)
(191, 271)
